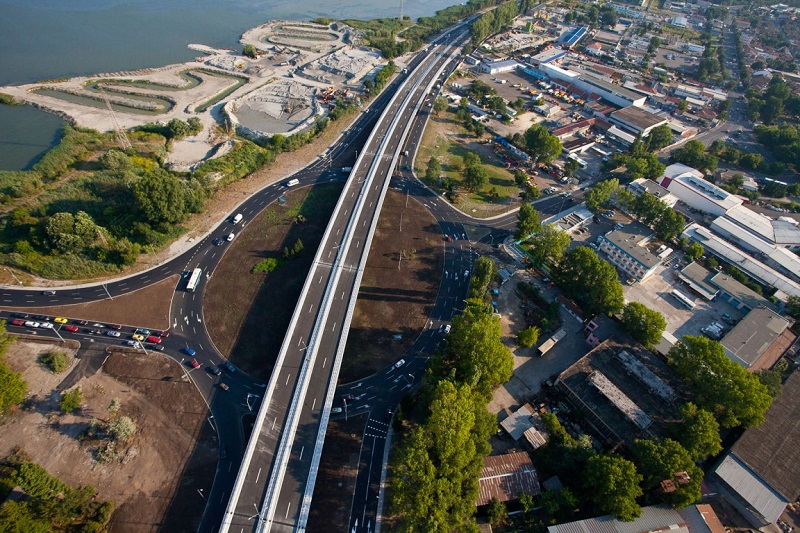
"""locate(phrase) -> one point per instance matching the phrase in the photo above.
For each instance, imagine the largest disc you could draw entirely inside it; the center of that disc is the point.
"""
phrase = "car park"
(73, 329)
(137, 337)
(188, 351)
(60, 320)
(193, 363)
(113, 333)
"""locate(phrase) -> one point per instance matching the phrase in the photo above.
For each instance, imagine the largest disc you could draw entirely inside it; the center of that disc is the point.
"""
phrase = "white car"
(336, 410)
(112, 333)
(46, 325)
(230, 237)
(400, 363)
(447, 329)
(31, 324)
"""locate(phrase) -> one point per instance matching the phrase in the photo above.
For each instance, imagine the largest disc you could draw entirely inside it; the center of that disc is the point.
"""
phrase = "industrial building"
(699, 518)
(506, 478)
(616, 94)
(711, 285)
(572, 37)
(627, 249)
(644, 185)
(689, 186)
(761, 234)
(526, 424)
(637, 120)
(759, 339)
(760, 475)
(498, 67)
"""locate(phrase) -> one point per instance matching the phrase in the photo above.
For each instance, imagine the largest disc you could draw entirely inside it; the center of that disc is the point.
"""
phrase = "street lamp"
(345, 409)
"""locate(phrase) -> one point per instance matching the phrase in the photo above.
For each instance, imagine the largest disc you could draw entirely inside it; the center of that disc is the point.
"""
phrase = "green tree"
(600, 194)
(772, 379)
(660, 136)
(55, 361)
(694, 250)
(693, 154)
(250, 51)
(475, 178)
(434, 169)
(71, 400)
(498, 513)
(570, 167)
(527, 222)
(542, 146)
(520, 178)
(591, 281)
(612, 484)
(699, 432)
(751, 160)
(668, 460)
(793, 306)
(115, 160)
(644, 324)
(439, 105)
(547, 245)
(721, 386)
(528, 337)
(559, 503)
(484, 272)
(177, 129)
(160, 197)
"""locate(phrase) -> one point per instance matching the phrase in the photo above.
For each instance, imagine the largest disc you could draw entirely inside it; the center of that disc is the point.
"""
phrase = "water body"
(50, 39)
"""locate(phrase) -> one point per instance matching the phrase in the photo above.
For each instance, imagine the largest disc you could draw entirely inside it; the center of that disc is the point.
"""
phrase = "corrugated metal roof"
(506, 477)
(654, 517)
(751, 487)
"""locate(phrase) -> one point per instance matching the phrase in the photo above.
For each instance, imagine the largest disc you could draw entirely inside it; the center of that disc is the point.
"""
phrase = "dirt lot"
(394, 301)
(446, 140)
(148, 307)
(249, 328)
(167, 411)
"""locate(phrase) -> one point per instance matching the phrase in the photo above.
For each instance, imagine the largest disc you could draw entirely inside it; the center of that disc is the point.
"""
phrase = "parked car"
(142, 331)
(447, 329)
(728, 319)
(164, 333)
(46, 325)
(132, 343)
(214, 371)
(336, 410)
(73, 329)
(81, 322)
(188, 351)
(348, 397)
(153, 339)
(114, 326)
(60, 320)
(194, 363)
(18, 322)
(31, 324)
(156, 347)
(224, 386)
(137, 337)
(20, 315)
(112, 333)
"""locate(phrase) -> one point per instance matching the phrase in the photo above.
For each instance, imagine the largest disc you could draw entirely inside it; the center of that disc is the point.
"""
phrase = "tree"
(439, 105)
(542, 146)
(475, 178)
(644, 324)
(699, 432)
(694, 250)
(114, 406)
(527, 222)
(250, 51)
(520, 178)
(55, 361)
(528, 337)
(177, 129)
(772, 379)
(123, 428)
(12, 387)
(751, 160)
(659, 137)
(668, 460)
(591, 281)
(793, 306)
(693, 154)
(600, 194)
(608, 16)
(498, 513)
(160, 197)
(721, 386)
(558, 503)
(484, 272)
(547, 245)
(612, 484)
(71, 400)
(570, 167)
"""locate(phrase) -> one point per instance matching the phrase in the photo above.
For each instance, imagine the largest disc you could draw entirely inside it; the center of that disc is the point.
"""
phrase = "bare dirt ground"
(394, 301)
(167, 411)
(249, 328)
(148, 307)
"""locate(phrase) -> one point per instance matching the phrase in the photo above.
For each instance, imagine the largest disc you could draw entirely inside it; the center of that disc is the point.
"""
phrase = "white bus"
(194, 279)
(683, 299)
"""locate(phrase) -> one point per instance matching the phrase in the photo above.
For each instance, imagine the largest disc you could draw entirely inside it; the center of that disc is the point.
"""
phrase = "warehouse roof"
(507, 477)
(637, 117)
(754, 335)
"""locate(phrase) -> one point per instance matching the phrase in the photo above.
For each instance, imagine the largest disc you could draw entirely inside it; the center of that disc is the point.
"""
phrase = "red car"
(164, 333)
(18, 322)
(194, 363)
(154, 339)
(73, 329)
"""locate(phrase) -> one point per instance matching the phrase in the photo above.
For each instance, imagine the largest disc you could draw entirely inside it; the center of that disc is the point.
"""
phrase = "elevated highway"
(276, 479)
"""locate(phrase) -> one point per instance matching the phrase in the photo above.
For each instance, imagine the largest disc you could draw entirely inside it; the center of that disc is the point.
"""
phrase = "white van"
(292, 183)
(237, 218)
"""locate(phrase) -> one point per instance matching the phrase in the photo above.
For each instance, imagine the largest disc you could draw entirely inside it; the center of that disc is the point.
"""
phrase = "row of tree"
(493, 21)
(12, 386)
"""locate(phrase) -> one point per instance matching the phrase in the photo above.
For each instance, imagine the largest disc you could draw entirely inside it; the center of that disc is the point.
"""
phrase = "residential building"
(690, 519)
(627, 249)
(759, 339)
(644, 185)
(506, 478)
(637, 120)
(595, 49)
(689, 186)
(760, 475)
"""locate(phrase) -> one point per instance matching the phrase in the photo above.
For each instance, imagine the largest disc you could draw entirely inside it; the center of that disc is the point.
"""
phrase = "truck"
(549, 343)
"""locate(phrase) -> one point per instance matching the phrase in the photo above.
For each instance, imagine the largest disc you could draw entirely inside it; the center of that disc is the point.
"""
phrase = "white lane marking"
(287, 378)
(258, 475)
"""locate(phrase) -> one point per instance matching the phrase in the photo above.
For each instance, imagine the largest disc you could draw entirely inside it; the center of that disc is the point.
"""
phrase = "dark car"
(20, 315)
(115, 326)
(229, 367)
(164, 333)
(49, 293)
(41, 317)
(348, 397)
(90, 331)
(81, 322)
(214, 371)
(218, 241)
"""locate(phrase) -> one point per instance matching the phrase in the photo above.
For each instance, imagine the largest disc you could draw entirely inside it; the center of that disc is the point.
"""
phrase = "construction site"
(293, 74)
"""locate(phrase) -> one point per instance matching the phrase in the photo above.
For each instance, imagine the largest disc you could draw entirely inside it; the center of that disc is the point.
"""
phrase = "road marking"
(258, 475)
(314, 404)
(288, 506)
(334, 327)
(301, 453)
(273, 422)
(310, 307)
(287, 378)
(324, 361)
(342, 298)
(299, 342)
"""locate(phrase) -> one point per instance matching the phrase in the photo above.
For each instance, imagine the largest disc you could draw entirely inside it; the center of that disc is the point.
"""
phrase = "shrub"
(56, 362)
(270, 264)
(71, 400)
(528, 337)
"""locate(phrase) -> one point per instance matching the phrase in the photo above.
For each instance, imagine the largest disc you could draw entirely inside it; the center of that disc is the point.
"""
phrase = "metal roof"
(506, 477)
(699, 279)
(750, 487)
(754, 335)
(654, 517)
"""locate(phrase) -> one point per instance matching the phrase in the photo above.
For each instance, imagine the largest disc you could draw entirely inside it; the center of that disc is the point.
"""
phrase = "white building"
(689, 186)
(616, 94)
(627, 249)
(644, 185)
(498, 67)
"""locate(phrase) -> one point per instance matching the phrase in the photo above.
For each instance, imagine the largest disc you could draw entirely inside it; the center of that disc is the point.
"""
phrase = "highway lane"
(294, 419)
